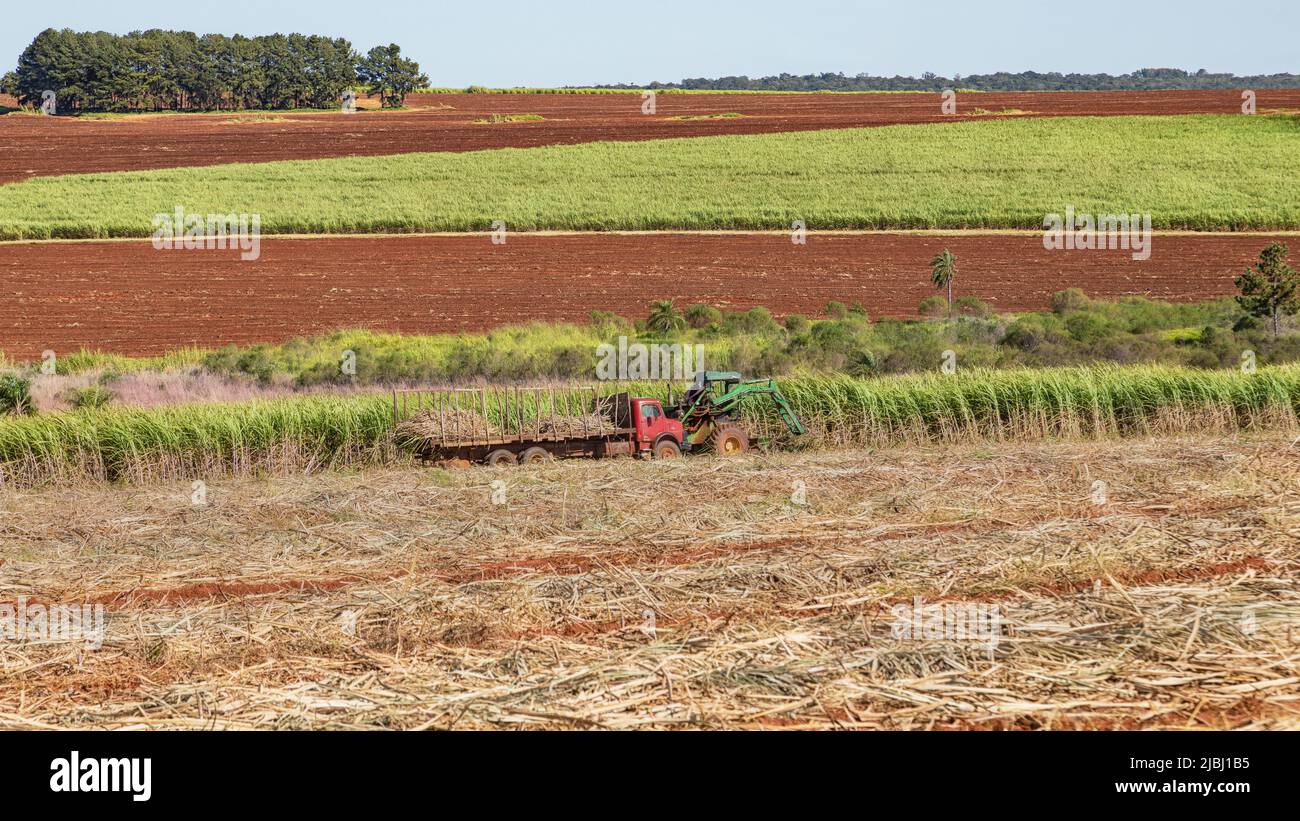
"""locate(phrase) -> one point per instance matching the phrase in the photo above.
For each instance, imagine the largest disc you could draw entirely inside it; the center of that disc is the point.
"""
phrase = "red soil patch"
(129, 298)
(552, 565)
(44, 146)
(1182, 574)
(218, 590)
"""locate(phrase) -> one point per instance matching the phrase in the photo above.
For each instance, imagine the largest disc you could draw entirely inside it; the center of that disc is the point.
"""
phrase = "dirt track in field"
(127, 297)
(45, 146)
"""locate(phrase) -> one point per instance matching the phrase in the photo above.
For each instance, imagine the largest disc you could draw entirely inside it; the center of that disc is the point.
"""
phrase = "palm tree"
(943, 273)
(664, 318)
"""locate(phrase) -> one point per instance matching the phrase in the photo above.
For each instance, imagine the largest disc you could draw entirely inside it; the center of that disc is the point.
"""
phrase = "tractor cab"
(656, 433)
(708, 384)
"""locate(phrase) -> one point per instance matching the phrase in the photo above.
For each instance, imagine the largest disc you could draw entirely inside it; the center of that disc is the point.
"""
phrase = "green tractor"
(710, 411)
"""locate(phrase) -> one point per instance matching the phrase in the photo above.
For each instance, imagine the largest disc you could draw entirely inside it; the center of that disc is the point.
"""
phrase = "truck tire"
(730, 440)
(500, 458)
(667, 449)
(535, 455)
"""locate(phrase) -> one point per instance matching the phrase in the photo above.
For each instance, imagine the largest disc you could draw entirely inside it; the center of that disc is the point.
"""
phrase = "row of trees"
(1270, 290)
(179, 70)
(1147, 79)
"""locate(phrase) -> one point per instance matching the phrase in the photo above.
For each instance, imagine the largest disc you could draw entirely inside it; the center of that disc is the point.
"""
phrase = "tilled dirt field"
(1167, 598)
(44, 146)
(129, 298)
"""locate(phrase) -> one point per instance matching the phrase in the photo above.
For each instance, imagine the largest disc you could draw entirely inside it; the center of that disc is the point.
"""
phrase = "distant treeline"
(1146, 79)
(179, 70)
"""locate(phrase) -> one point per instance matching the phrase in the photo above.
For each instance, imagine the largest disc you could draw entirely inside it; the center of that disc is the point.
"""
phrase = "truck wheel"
(500, 458)
(730, 440)
(534, 455)
(667, 449)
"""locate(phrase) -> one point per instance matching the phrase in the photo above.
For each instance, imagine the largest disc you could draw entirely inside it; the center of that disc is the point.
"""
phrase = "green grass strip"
(1205, 172)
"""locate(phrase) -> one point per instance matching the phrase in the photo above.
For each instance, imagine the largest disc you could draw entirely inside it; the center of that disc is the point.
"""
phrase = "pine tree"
(1270, 288)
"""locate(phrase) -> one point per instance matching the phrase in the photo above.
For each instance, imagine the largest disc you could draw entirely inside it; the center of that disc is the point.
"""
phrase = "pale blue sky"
(567, 42)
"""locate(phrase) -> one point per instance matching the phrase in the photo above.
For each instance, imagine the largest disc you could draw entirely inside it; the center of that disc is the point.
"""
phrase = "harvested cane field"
(407, 599)
(47, 146)
(127, 297)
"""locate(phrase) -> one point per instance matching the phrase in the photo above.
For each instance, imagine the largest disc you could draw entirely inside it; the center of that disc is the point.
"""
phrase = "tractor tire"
(729, 440)
(535, 456)
(667, 449)
(501, 458)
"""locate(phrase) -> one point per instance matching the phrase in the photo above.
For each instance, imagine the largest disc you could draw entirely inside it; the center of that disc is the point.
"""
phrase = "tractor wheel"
(729, 440)
(534, 456)
(501, 458)
(667, 449)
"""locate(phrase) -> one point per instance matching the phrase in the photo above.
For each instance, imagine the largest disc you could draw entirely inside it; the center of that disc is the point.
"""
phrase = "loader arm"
(787, 413)
(729, 401)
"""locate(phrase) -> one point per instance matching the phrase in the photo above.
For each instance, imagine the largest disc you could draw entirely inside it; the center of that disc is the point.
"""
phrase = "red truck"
(511, 425)
(506, 426)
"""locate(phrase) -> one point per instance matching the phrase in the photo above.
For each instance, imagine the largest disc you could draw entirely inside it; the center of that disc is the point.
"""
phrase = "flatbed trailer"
(506, 425)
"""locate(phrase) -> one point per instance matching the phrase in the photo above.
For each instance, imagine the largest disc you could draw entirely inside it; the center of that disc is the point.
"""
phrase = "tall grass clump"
(1078, 402)
(15, 394)
(210, 440)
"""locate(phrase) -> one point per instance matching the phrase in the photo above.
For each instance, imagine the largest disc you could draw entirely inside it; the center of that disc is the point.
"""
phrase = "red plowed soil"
(44, 146)
(128, 297)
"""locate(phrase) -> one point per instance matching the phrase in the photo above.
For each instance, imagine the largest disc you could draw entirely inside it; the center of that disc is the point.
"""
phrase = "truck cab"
(656, 434)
